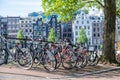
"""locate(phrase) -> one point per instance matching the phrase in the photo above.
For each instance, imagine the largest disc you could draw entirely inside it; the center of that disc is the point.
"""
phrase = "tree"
(82, 39)
(67, 8)
(20, 36)
(51, 36)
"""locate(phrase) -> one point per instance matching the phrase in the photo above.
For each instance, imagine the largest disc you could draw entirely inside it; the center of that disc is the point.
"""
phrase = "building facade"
(97, 31)
(39, 29)
(26, 26)
(53, 23)
(82, 21)
(3, 26)
(67, 30)
(93, 26)
(12, 26)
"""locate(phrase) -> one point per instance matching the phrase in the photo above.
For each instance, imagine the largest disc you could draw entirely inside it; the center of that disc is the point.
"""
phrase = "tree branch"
(100, 3)
(95, 1)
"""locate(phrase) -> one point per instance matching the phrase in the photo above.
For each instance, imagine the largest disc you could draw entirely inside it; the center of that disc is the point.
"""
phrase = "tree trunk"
(109, 30)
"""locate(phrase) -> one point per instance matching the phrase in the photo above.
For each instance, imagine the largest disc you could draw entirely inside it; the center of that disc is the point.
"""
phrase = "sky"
(19, 7)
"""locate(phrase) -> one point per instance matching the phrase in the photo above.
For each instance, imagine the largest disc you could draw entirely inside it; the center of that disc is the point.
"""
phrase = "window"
(98, 35)
(53, 24)
(76, 33)
(76, 39)
(82, 22)
(44, 28)
(97, 24)
(84, 27)
(69, 30)
(79, 27)
(88, 32)
(30, 30)
(94, 35)
(53, 19)
(64, 35)
(64, 30)
(98, 29)
(118, 27)
(44, 33)
(26, 30)
(88, 22)
(77, 22)
(94, 29)
(30, 25)
(22, 21)
(69, 35)
(82, 17)
(76, 27)
(98, 41)
(94, 41)
(35, 27)
(88, 27)
(33, 19)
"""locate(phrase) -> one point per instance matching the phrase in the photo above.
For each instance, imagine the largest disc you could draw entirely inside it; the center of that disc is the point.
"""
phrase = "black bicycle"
(21, 56)
(42, 55)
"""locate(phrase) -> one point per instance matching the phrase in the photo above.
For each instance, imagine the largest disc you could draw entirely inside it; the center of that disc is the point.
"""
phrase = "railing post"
(25, 41)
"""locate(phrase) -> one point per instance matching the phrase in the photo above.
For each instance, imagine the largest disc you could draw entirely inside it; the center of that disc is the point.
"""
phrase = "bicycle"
(23, 58)
(42, 55)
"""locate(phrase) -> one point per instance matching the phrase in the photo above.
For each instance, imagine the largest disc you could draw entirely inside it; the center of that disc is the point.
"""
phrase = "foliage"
(52, 37)
(82, 36)
(66, 9)
(118, 8)
(20, 36)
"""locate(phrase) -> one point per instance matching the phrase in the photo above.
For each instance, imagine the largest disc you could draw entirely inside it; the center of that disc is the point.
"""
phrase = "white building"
(82, 21)
(93, 26)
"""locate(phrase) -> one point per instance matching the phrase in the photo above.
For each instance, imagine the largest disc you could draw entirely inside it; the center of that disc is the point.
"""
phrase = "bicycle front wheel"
(3, 56)
(25, 60)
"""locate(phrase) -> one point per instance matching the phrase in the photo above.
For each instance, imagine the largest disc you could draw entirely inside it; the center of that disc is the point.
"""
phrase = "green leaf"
(82, 36)
(52, 37)
(20, 36)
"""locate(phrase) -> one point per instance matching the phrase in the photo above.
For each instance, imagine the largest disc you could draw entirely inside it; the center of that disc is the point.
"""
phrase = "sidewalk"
(60, 74)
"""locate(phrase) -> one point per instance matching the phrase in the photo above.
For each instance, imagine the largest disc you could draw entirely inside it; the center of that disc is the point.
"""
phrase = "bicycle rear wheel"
(69, 61)
(59, 60)
(93, 59)
(25, 60)
(80, 61)
(50, 62)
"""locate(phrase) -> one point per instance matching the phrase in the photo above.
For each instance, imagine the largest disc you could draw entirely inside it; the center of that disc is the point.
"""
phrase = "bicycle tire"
(50, 62)
(59, 59)
(25, 59)
(69, 64)
(3, 56)
(94, 61)
(80, 61)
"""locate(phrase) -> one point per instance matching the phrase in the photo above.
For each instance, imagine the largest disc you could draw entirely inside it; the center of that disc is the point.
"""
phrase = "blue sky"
(19, 7)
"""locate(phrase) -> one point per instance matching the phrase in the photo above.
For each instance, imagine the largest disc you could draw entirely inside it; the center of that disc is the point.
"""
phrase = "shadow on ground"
(78, 72)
